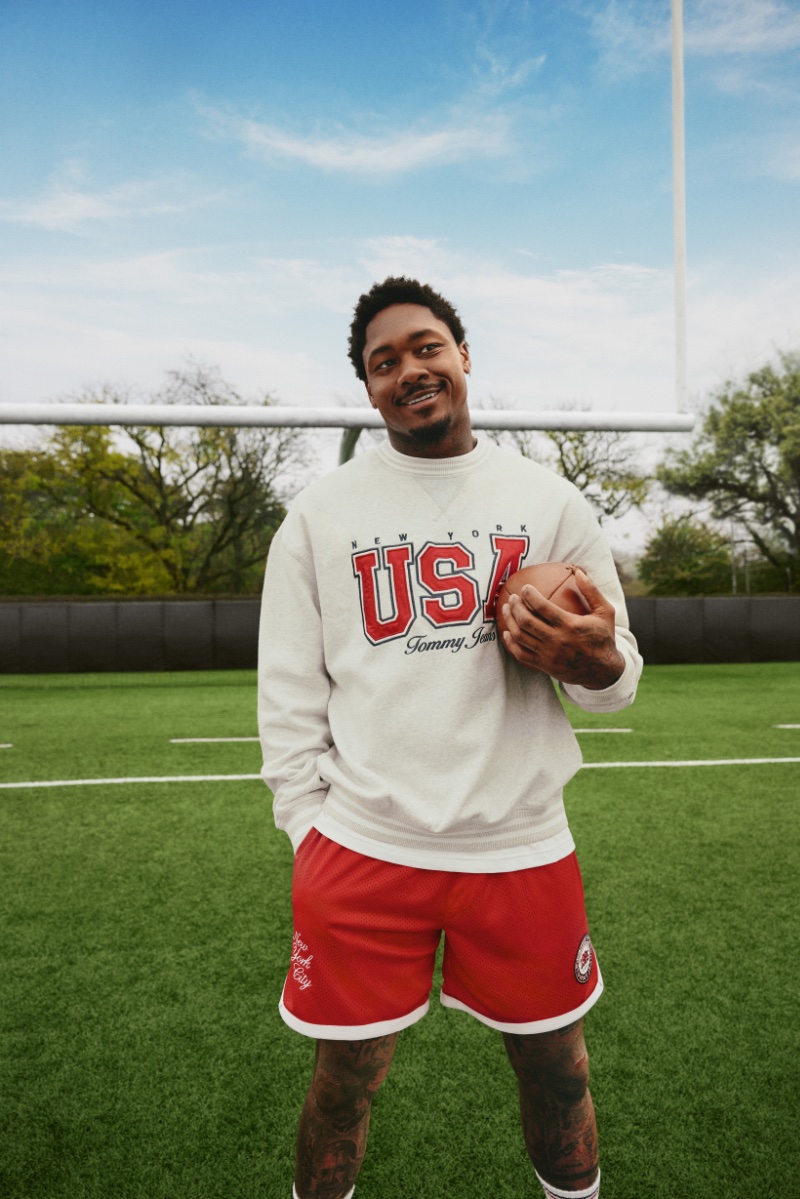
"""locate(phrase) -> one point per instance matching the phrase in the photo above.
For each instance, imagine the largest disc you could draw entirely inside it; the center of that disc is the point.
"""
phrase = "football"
(555, 580)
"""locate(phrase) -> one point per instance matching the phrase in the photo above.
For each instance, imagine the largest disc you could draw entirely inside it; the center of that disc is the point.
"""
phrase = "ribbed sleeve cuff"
(619, 695)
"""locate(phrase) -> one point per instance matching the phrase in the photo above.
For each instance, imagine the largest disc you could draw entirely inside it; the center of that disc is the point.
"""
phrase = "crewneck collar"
(460, 464)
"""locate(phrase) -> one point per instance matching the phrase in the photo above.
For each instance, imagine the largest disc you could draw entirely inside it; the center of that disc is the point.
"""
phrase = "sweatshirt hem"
(437, 857)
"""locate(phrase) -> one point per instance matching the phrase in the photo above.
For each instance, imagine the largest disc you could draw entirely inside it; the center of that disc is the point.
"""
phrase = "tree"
(600, 462)
(37, 535)
(155, 509)
(686, 557)
(746, 462)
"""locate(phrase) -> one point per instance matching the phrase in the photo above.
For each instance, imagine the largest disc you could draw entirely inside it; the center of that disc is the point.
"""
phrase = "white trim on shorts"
(351, 1032)
(532, 1026)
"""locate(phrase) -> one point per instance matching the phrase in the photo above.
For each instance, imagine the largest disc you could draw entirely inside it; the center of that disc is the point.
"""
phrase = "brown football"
(555, 580)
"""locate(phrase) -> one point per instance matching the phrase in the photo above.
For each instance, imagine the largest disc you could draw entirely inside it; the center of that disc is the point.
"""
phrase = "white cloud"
(741, 77)
(631, 32)
(419, 257)
(69, 204)
(498, 74)
(502, 36)
(49, 353)
(743, 27)
(628, 33)
(781, 157)
(123, 282)
(68, 210)
(768, 154)
(736, 324)
(297, 283)
(603, 335)
(379, 156)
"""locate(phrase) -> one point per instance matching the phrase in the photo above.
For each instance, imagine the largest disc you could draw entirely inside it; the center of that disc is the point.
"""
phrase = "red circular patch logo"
(584, 960)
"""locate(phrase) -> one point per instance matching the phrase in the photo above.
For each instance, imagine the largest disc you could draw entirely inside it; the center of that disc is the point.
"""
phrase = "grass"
(146, 927)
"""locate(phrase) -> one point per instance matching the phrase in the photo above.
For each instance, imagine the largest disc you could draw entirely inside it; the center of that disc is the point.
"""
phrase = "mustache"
(419, 388)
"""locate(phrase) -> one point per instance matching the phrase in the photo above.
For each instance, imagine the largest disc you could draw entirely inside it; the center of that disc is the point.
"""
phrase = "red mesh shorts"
(517, 952)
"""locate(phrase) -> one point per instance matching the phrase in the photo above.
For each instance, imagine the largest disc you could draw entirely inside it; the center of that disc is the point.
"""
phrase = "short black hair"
(397, 289)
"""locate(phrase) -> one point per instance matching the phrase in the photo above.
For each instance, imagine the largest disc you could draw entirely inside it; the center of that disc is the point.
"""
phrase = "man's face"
(416, 378)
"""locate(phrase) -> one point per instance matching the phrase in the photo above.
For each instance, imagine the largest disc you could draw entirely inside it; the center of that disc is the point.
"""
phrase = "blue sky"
(222, 181)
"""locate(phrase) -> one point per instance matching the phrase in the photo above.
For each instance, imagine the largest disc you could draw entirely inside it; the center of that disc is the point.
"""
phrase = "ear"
(463, 350)
(369, 395)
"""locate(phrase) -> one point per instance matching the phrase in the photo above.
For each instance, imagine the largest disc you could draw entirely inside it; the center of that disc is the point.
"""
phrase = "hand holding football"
(556, 582)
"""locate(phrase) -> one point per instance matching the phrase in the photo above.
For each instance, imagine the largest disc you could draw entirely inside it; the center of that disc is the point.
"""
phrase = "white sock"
(349, 1194)
(552, 1192)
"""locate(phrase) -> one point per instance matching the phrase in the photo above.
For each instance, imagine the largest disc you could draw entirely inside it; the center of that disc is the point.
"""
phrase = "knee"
(336, 1103)
(348, 1074)
(552, 1063)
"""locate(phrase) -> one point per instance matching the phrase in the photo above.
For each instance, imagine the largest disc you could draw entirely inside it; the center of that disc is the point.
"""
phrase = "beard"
(431, 434)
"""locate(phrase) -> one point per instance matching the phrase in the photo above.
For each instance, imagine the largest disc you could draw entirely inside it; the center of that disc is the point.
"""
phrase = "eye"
(430, 347)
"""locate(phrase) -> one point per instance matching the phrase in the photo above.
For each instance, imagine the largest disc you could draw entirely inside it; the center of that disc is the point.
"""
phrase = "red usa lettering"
(445, 576)
(453, 596)
(395, 561)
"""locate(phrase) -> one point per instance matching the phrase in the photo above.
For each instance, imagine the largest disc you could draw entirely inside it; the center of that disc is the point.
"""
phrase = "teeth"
(426, 395)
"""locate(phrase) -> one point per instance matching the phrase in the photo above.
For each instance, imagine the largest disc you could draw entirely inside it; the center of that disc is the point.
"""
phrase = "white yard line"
(786, 726)
(206, 740)
(6, 745)
(691, 762)
(226, 778)
(602, 730)
(168, 778)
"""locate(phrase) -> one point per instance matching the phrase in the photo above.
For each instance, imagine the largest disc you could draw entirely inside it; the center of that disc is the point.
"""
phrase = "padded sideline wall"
(757, 628)
(56, 636)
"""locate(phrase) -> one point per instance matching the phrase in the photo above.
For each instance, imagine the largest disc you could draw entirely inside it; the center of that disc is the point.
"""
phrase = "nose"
(411, 370)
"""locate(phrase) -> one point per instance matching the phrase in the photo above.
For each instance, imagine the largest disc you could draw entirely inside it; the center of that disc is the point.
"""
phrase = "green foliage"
(746, 462)
(685, 557)
(52, 544)
(147, 510)
(600, 462)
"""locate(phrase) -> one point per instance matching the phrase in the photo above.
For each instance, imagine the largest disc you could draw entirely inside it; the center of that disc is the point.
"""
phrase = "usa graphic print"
(438, 582)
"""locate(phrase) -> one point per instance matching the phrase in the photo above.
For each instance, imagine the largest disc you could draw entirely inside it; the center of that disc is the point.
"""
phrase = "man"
(418, 764)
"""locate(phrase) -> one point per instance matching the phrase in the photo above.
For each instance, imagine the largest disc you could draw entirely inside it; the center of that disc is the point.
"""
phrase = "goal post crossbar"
(269, 416)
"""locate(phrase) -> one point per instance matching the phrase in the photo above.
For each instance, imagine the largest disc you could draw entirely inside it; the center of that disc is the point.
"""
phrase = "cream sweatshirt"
(391, 718)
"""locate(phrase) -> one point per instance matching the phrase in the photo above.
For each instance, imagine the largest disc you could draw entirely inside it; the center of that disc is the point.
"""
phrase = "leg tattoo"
(558, 1119)
(332, 1137)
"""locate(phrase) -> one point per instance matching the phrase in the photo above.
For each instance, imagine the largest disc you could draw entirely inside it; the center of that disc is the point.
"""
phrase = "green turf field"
(145, 930)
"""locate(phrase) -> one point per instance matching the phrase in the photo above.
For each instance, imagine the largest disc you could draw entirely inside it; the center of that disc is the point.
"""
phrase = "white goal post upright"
(679, 206)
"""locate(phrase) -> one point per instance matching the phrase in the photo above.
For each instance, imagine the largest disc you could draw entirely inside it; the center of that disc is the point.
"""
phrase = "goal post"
(679, 207)
(351, 420)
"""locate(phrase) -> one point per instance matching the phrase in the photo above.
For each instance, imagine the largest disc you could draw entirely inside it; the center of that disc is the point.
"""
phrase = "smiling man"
(416, 378)
(418, 764)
